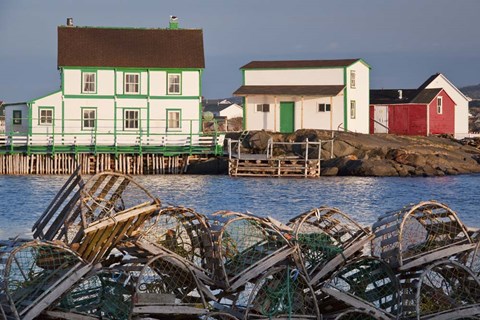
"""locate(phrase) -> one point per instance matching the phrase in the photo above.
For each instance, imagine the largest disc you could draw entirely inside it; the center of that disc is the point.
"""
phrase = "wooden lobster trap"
(327, 238)
(443, 290)
(419, 234)
(365, 283)
(282, 293)
(181, 232)
(35, 275)
(167, 286)
(105, 294)
(247, 246)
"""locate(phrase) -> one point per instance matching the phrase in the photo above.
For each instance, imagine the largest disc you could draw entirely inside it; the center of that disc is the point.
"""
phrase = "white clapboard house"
(284, 96)
(119, 86)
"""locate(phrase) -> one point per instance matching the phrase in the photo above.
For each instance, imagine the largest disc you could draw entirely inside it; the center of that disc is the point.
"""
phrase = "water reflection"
(24, 198)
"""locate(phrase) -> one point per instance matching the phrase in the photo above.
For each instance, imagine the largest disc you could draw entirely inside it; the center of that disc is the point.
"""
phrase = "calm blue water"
(23, 198)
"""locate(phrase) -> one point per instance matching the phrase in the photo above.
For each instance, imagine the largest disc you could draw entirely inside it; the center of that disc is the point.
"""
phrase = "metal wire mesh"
(442, 287)
(417, 230)
(167, 280)
(354, 315)
(323, 234)
(106, 294)
(370, 280)
(34, 268)
(282, 292)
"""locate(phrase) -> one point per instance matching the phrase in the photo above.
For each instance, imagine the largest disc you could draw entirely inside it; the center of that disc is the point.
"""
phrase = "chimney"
(400, 94)
(173, 23)
(69, 22)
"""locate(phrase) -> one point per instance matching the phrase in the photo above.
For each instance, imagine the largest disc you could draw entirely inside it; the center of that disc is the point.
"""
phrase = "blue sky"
(404, 41)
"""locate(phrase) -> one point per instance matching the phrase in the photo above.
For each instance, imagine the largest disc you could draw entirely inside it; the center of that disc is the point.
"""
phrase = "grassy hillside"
(472, 91)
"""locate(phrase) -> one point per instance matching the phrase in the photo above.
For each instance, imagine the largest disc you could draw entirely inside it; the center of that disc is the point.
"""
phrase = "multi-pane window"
(353, 109)
(264, 107)
(88, 118)
(439, 105)
(324, 107)
(45, 116)
(17, 116)
(174, 86)
(352, 79)
(131, 119)
(89, 82)
(132, 83)
(173, 119)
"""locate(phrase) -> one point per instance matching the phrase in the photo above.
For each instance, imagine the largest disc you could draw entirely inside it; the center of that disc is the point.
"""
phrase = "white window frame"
(352, 79)
(175, 122)
(353, 109)
(131, 86)
(89, 119)
(174, 87)
(45, 120)
(89, 85)
(130, 123)
(262, 107)
(440, 105)
(327, 107)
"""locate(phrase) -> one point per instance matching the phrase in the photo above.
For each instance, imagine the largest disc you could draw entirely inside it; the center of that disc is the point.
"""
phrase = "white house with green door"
(284, 96)
(119, 86)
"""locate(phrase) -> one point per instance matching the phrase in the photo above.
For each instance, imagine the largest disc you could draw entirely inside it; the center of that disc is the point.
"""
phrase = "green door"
(287, 117)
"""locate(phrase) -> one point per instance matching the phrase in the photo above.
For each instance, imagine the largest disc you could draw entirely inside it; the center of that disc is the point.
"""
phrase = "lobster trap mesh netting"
(444, 287)
(403, 236)
(106, 295)
(282, 293)
(323, 234)
(354, 315)
(181, 231)
(367, 283)
(246, 242)
(167, 280)
(33, 268)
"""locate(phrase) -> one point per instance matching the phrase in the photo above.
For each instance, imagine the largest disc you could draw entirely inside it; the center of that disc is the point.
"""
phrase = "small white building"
(284, 96)
(224, 109)
(118, 86)
(439, 81)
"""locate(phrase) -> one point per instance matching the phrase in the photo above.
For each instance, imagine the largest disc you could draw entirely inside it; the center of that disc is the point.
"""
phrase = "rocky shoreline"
(378, 155)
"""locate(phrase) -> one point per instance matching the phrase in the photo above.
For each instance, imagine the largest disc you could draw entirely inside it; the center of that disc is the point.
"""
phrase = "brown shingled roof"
(299, 64)
(135, 48)
(327, 91)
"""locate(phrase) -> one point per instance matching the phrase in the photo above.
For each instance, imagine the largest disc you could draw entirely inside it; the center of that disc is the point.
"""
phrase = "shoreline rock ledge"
(378, 155)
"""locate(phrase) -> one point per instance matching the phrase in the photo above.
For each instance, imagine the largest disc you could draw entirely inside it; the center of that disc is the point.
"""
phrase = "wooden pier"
(64, 163)
(268, 165)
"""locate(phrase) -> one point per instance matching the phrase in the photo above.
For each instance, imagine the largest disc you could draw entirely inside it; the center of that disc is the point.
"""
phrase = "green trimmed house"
(120, 87)
(284, 96)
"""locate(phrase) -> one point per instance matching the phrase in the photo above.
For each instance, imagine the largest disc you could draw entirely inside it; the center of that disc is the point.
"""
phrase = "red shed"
(411, 112)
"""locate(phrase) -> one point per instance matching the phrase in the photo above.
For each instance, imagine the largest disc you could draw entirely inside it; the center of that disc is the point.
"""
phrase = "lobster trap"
(444, 289)
(419, 234)
(366, 284)
(327, 238)
(353, 314)
(282, 293)
(247, 247)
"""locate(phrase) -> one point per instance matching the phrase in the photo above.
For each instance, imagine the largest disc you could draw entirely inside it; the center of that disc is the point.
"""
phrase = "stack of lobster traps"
(106, 248)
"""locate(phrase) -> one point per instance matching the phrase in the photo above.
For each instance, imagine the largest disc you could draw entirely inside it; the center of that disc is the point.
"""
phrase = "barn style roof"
(285, 64)
(327, 91)
(134, 48)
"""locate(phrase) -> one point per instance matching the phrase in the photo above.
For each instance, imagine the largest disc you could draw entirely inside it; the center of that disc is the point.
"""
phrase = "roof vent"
(173, 23)
(400, 94)
(69, 22)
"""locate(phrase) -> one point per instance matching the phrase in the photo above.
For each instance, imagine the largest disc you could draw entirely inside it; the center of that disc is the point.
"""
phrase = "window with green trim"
(131, 119)
(173, 119)
(353, 109)
(45, 116)
(89, 117)
(89, 82)
(17, 116)
(174, 83)
(132, 83)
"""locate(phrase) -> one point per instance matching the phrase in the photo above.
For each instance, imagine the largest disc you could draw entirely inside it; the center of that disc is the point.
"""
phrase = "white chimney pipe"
(69, 22)
(400, 94)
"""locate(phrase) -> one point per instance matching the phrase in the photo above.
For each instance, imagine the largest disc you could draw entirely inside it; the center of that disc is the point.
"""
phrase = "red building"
(412, 111)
